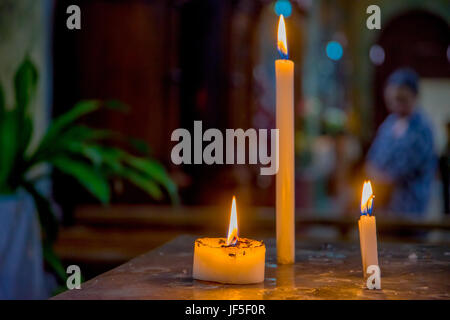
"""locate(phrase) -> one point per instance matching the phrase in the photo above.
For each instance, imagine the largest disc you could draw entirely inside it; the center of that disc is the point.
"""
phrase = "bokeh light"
(334, 50)
(377, 54)
(283, 7)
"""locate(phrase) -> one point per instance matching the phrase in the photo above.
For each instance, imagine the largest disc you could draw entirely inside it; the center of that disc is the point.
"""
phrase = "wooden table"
(322, 271)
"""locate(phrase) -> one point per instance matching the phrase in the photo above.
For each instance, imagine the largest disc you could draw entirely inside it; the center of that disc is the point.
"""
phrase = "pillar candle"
(231, 260)
(242, 263)
(285, 179)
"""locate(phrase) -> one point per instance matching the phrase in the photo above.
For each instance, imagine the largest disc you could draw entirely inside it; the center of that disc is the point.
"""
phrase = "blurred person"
(401, 160)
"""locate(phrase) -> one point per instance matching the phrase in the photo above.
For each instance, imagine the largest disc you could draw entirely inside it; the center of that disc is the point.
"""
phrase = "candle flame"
(233, 226)
(367, 199)
(282, 41)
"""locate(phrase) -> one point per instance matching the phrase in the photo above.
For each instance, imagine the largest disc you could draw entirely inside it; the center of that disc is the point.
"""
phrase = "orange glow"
(282, 41)
(367, 198)
(233, 226)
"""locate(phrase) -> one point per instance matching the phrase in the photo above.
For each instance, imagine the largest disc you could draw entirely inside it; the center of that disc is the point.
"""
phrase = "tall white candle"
(285, 180)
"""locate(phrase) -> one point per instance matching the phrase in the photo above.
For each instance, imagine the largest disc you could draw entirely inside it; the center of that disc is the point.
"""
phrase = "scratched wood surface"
(321, 271)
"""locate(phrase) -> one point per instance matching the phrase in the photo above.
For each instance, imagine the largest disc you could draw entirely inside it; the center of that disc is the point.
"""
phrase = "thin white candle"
(367, 229)
(285, 180)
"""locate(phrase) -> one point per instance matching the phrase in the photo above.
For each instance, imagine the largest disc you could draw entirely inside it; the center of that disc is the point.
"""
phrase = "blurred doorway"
(428, 34)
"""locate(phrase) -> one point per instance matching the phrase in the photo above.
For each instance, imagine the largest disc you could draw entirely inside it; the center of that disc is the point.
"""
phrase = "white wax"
(368, 241)
(285, 180)
(240, 264)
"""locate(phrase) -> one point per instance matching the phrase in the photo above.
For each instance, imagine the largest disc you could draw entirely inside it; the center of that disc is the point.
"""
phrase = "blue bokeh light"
(283, 7)
(334, 50)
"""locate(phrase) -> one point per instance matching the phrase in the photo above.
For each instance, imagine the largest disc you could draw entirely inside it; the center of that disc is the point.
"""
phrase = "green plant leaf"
(67, 119)
(8, 147)
(108, 156)
(82, 108)
(24, 135)
(74, 140)
(116, 105)
(140, 146)
(25, 83)
(16, 125)
(144, 183)
(16, 136)
(156, 171)
(86, 175)
(57, 128)
(84, 133)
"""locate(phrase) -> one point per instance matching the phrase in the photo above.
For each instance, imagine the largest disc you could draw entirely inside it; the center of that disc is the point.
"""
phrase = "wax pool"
(242, 263)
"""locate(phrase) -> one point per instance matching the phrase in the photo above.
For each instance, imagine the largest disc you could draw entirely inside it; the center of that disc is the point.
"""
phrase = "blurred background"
(175, 61)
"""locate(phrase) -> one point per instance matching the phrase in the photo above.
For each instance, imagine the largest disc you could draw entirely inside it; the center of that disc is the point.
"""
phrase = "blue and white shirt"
(408, 160)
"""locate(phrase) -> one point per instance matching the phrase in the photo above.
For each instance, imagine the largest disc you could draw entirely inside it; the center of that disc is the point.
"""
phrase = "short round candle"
(242, 263)
(229, 260)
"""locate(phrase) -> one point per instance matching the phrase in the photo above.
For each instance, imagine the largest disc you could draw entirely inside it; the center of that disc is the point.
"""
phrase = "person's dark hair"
(405, 77)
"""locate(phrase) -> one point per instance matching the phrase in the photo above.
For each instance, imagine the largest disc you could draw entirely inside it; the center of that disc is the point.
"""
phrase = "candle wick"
(368, 207)
(234, 242)
(283, 56)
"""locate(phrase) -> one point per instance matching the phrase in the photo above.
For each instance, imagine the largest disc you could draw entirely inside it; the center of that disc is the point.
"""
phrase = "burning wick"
(233, 238)
(282, 42)
(367, 199)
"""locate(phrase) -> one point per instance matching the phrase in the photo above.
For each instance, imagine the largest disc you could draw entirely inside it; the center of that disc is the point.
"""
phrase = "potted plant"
(28, 226)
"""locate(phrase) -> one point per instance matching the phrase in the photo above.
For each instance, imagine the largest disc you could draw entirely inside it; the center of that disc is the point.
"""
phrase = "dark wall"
(167, 60)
